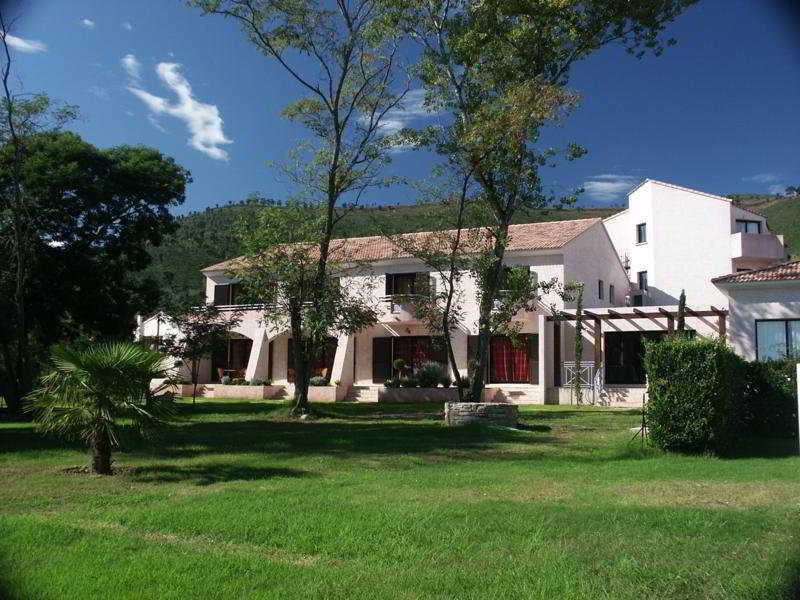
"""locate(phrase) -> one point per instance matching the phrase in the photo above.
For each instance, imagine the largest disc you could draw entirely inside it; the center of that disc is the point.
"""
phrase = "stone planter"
(253, 392)
(482, 413)
(410, 395)
(322, 393)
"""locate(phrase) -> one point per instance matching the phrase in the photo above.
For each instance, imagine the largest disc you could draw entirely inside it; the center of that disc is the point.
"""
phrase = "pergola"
(635, 313)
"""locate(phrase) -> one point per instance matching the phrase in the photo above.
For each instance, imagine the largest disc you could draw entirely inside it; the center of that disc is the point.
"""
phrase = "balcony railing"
(764, 246)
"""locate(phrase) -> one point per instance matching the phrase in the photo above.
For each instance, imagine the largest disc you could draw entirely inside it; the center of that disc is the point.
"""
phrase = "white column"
(545, 353)
(257, 365)
(342, 370)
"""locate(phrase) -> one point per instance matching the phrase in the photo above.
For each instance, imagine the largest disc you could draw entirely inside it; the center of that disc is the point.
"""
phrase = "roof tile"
(781, 272)
(543, 235)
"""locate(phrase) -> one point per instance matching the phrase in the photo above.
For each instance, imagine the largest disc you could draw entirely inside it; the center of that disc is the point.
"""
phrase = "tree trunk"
(101, 453)
(300, 355)
(488, 296)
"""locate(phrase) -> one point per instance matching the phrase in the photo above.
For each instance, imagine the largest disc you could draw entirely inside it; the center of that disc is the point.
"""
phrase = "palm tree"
(90, 389)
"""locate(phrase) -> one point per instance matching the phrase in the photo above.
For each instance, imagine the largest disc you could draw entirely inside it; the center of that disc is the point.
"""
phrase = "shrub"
(430, 373)
(317, 380)
(239, 381)
(225, 380)
(465, 382)
(399, 365)
(695, 389)
(392, 383)
(770, 408)
(408, 382)
(446, 381)
(256, 381)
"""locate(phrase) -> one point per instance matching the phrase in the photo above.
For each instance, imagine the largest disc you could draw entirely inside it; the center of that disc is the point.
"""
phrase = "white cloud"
(23, 45)
(153, 120)
(129, 113)
(88, 23)
(132, 66)
(126, 25)
(98, 91)
(609, 187)
(778, 188)
(763, 178)
(202, 120)
(411, 109)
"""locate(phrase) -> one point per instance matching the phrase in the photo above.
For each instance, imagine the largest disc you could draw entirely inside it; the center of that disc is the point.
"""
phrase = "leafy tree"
(344, 56)
(21, 116)
(87, 216)
(501, 68)
(202, 329)
(280, 272)
(90, 390)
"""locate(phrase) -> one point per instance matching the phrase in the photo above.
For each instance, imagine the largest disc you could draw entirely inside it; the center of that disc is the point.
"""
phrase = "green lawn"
(382, 501)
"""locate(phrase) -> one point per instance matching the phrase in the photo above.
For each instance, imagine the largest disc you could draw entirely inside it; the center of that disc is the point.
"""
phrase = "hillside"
(208, 236)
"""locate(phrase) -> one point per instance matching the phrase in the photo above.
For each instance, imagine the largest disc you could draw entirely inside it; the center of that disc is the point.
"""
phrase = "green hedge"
(770, 408)
(695, 394)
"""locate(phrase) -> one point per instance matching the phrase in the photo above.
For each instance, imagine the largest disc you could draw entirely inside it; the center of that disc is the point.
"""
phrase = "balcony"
(758, 246)
(398, 309)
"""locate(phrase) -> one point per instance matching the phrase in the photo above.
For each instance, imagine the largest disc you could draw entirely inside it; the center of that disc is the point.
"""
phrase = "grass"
(382, 501)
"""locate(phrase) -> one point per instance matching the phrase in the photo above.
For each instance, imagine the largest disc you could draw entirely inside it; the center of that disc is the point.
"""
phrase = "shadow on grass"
(381, 411)
(580, 413)
(332, 438)
(188, 409)
(765, 448)
(210, 473)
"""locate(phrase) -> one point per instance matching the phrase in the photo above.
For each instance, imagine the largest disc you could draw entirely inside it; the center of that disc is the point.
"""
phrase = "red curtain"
(509, 364)
(415, 350)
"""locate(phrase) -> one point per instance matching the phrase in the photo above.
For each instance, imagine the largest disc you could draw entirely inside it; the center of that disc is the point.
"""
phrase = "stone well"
(482, 413)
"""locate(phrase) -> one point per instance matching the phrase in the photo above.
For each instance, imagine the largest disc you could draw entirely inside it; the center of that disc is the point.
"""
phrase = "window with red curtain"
(507, 363)
(415, 350)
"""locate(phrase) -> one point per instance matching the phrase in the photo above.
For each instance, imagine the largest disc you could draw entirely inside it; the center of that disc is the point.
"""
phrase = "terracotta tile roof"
(527, 236)
(782, 272)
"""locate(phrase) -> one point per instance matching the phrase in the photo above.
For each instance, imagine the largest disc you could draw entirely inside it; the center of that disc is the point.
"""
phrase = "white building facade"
(633, 265)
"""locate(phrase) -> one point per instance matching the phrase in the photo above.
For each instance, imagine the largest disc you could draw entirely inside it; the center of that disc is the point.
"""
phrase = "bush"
(239, 381)
(258, 381)
(392, 383)
(465, 382)
(317, 380)
(408, 382)
(696, 389)
(399, 365)
(446, 381)
(430, 373)
(770, 408)
(225, 380)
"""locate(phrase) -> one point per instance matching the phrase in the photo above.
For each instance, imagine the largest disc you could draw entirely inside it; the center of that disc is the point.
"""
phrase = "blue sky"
(719, 112)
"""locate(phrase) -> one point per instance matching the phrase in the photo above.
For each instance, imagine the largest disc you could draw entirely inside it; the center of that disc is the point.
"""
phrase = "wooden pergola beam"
(642, 314)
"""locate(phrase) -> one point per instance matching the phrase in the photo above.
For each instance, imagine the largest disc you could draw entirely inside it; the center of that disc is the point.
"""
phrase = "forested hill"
(208, 236)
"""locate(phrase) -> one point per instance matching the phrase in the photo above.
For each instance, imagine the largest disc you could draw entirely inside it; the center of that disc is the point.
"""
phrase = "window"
(641, 278)
(744, 226)
(641, 233)
(402, 284)
(611, 297)
(600, 289)
(227, 294)
(624, 356)
(777, 339)
(414, 350)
